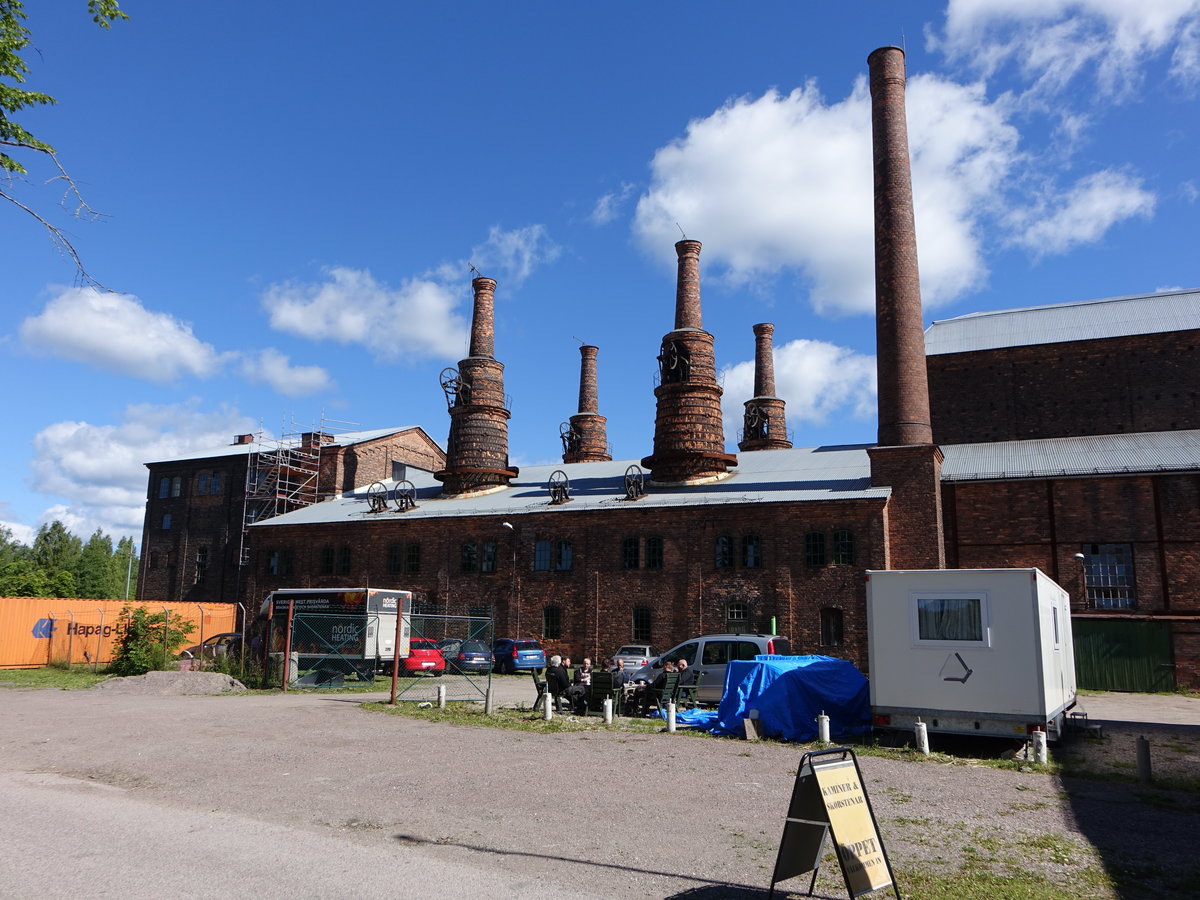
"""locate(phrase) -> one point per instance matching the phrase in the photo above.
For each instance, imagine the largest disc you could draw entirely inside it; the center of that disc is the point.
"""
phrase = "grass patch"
(50, 677)
(518, 719)
(1011, 885)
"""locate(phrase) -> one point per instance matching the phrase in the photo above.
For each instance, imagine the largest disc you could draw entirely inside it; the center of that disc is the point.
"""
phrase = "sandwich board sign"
(830, 800)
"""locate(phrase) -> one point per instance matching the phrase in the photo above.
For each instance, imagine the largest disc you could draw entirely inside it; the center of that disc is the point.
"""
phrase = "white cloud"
(116, 333)
(817, 380)
(785, 182)
(1083, 214)
(275, 369)
(416, 320)
(22, 534)
(1054, 41)
(609, 206)
(514, 255)
(99, 470)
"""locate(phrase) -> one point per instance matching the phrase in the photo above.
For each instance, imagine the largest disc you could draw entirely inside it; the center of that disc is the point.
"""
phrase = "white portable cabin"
(970, 651)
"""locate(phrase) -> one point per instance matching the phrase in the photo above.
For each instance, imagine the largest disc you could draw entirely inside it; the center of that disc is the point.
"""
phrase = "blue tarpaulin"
(789, 693)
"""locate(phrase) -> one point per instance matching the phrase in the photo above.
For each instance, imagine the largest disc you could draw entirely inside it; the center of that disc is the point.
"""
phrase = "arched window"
(564, 556)
(641, 625)
(751, 551)
(214, 484)
(831, 627)
(541, 556)
(654, 552)
(487, 562)
(164, 487)
(202, 484)
(552, 623)
(843, 548)
(470, 557)
(344, 560)
(177, 486)
(166, 522)
(629, 553)
(327, 559)
(814, 548)
(724, 552)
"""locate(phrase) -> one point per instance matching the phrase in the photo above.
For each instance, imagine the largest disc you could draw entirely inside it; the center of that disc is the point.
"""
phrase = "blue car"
(518, 656)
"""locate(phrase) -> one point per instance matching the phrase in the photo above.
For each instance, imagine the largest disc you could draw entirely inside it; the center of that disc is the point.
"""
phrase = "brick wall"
(1143, 382)
(688, 596)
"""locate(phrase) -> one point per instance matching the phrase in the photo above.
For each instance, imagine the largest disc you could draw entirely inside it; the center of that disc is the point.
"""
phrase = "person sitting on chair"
(653, 694)
(686, 676)
(558, 683)
(583, 674)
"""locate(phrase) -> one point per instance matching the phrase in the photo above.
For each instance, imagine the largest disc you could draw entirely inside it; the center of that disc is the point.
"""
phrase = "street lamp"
(516, 599)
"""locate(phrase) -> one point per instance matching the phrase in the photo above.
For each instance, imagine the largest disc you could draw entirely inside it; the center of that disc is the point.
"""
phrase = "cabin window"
(951, 618)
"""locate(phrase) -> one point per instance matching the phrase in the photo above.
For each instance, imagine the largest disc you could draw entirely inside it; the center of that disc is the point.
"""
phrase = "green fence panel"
(1115, 655)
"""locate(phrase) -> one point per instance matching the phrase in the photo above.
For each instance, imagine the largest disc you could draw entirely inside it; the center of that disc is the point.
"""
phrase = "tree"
(22, 578)
(97, 572)
(126, 561)
(14, 39)
(149, 642)
(55, 549)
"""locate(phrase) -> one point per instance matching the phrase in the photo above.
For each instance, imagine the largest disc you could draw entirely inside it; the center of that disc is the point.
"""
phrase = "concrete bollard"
(922, 734)
(823, 728)
(547, 707)
(670, 716)
(1143, 760)
(489, 702)
(1040, 755)
(441, 696)
(608, 711)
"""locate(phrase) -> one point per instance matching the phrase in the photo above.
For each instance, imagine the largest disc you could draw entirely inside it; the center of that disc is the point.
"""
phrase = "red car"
(423, 656)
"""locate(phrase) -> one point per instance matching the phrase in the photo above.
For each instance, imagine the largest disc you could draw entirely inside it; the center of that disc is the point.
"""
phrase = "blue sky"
(294, 194)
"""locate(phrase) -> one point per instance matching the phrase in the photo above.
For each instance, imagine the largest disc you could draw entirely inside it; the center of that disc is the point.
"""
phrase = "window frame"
(543, 555)
(655, 552)
(751, 551)
(833, 626)
(1104, 589)
(642, 625)
(552, 616)
(468, 557)
(982, 598)
(630, 553)
(564, 555)
(843, 548)
(723, 552)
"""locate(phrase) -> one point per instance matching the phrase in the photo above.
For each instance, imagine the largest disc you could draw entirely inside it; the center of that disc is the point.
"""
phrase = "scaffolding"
(282, 474)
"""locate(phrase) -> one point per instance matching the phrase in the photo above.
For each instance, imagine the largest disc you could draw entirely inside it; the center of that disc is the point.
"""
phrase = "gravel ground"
(135, 790)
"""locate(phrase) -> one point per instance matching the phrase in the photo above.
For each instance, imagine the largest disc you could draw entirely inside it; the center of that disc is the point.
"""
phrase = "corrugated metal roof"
(765, 476)
(343, 439)
(1100, 454)
(1061, 322)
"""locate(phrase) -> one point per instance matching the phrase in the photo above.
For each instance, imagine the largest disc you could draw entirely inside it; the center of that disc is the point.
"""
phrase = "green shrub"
(149, 642)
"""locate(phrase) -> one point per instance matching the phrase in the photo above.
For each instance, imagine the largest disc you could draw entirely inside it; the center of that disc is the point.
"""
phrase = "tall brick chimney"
(477, 448)
(764, 422)
(689, 439)
(586, 437)
(906, 458)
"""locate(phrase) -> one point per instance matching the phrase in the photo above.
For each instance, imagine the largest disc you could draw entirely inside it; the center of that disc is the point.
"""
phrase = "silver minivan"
(711, 654)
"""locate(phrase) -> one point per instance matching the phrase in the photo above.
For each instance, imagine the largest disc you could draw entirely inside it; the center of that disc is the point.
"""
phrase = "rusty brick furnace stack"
(585, 439)
(689, 439)
(764, 421)
(477, 447)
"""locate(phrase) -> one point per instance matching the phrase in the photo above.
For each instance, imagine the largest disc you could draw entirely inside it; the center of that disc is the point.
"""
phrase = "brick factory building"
(1065, 437)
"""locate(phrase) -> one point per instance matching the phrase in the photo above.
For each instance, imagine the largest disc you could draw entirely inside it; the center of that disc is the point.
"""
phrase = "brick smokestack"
(687, 286)
(906, 459)
(483, 319)
(477, 448)
(585, 438)
(764, 423)
(689, 438)
(900, 339)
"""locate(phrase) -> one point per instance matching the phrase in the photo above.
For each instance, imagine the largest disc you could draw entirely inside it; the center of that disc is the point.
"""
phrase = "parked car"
(423, 656)
(466, 657)
(635, 656)
(711, 654)
(512, 655)
(212, 647)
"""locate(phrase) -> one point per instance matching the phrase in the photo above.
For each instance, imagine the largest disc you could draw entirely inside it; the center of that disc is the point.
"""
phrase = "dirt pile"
(173, 684)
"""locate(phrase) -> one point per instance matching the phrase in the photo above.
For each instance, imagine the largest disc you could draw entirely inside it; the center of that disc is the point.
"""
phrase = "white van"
(711, 654)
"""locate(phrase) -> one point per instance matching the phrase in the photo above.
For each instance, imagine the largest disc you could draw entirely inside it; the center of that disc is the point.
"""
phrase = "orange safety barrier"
(38, 631)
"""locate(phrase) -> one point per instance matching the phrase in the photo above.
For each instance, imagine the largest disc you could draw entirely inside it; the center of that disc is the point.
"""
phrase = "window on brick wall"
(214, 484)
(1108, 576)
(404, 559)
(843, 548)
(201, 564)
(737, 614)
(279, 562)
(641, 625)
(541, 556)
(345, 560)
(723, 552)
(412, 559)
(154, 559)
(552, 623)
(164, 488)
(166, 522)
(814, 548)
(629, 553)
(751, 551)
(654, 552)
(469, 560)
(395, 559)
(831, 627)
(564, 556)
(487, 562)
(177, 486)
(327, 560)
(202, 483)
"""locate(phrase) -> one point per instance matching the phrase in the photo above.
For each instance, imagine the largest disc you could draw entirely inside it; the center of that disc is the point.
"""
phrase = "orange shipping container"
(37, 631)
